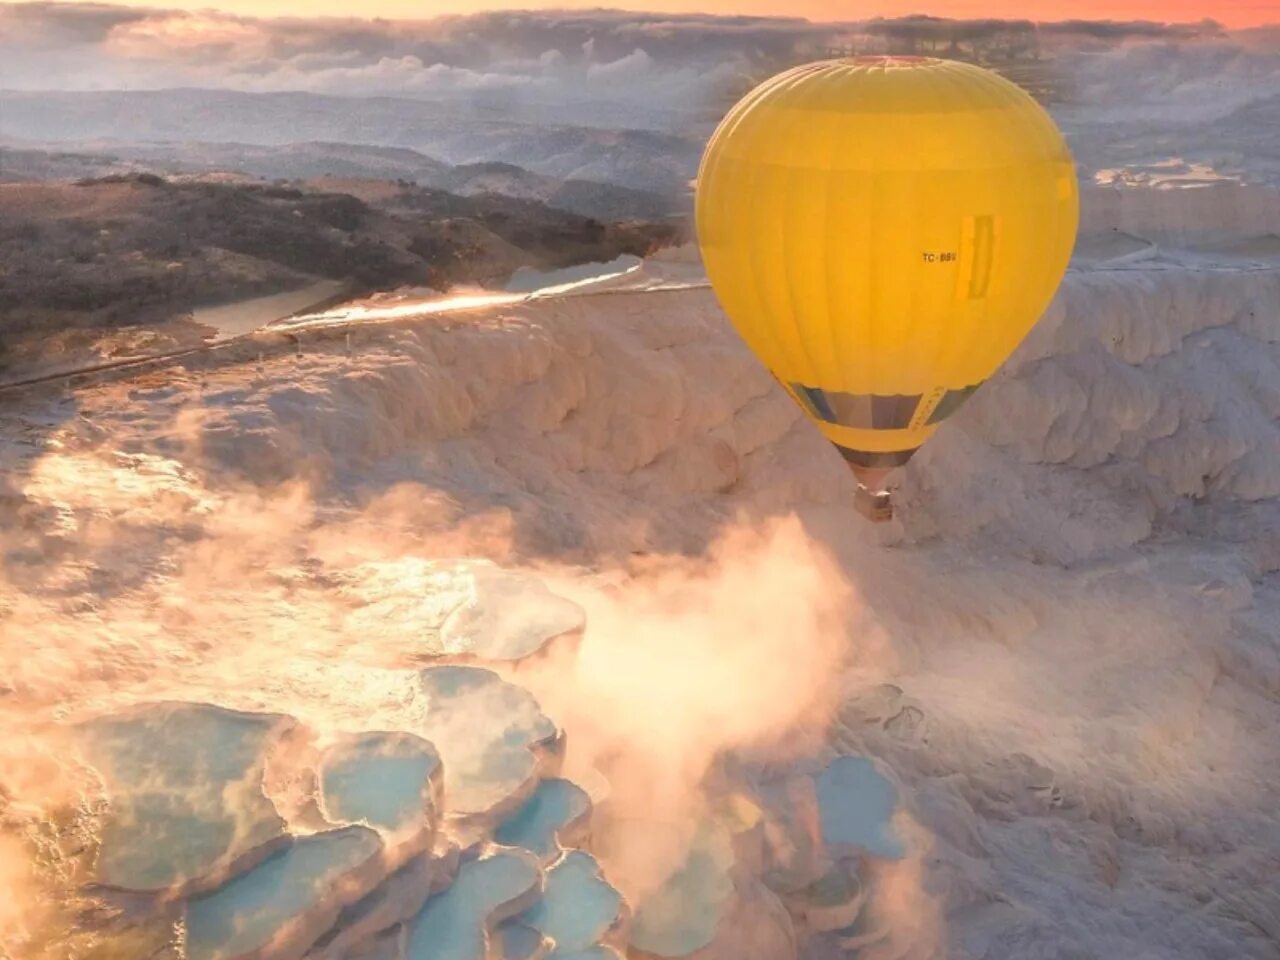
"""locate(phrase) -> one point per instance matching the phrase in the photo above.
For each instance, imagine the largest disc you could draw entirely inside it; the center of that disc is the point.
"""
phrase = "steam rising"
(691, 659)
(1067, 666)
(262, 598)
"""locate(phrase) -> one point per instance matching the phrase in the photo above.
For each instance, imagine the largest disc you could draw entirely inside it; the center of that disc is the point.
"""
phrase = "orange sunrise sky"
(1232, 13)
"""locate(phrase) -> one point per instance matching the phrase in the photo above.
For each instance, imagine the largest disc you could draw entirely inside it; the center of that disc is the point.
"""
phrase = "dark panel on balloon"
(868, 458)
(865, 411)
(852, 409)
(894, 412)
(951, 402)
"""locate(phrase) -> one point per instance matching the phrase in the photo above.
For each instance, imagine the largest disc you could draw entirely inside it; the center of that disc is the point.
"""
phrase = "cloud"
(1133, 29)
(607, 67)
(47, 24)
(151, 47)
(404, 75)
(589, 67)
(635, 64)
(205, 34)
(1182, 83)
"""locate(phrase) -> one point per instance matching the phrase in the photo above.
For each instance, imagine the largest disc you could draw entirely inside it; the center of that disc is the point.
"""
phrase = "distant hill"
(307, 161)
(19, 163)
(131, 249)
(290, 161)
(587, 197)
(452, 133)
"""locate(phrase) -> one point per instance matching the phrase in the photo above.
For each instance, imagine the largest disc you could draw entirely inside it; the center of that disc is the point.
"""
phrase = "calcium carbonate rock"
(456, 924)
(508, 616)
(757, 927)
(284, 904)
(361, 929)
(684, 914)
(857, 804)
(792, 834)
(399, 604)
(543, 825)
(184, 785)
(390, 781)
(870, 927)
(578, 908)
(514, 940)
(1143, 402)
(834, 902)
(463, 610)
(741, 920)
(492, 736)
(825, 835)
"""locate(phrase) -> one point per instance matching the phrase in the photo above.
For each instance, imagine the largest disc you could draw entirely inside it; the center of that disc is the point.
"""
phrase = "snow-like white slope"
(1217, 213)
(1067, 657)
(1144, 109)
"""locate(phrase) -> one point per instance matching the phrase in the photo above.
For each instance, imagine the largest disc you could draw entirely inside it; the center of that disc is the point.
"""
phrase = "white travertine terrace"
(1065, 656)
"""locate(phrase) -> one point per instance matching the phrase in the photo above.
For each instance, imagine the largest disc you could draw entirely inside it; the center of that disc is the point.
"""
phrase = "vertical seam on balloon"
(873, 287)
(994, 96)
(789, 175)
(821, 85)
(792, 119)
(763, 311)
(1015, 100)
(736, 118)
(997, 95)
(1054, 146)
(945, 343)
(829, 256)
(961, 100)
(1049, 142)
(965, 96)
(1034, 130)
(908, 322)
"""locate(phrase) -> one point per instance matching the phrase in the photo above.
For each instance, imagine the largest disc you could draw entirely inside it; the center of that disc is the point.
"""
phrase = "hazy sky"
(1233, 13)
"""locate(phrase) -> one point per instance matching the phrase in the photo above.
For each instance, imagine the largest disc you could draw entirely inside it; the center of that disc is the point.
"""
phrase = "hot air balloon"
(883, 232)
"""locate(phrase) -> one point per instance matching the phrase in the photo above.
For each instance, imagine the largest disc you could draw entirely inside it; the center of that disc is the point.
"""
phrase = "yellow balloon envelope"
(883, 232)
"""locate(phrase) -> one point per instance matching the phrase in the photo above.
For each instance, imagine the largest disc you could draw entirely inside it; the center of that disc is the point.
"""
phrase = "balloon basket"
(876, 506)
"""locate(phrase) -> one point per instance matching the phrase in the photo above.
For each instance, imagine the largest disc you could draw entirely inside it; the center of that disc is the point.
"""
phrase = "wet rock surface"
(1066, 668)
(391, 781)
(507, 616)
(491, 734)
(458, 924)
(578, 907)
(683, 916)
(856, 805)
(209, 806)
(281, 906)
(184, 792)
(556, 809)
